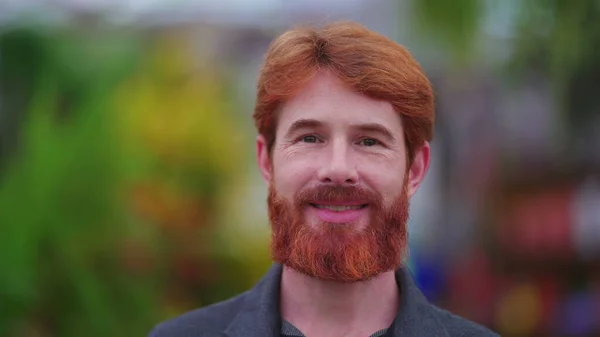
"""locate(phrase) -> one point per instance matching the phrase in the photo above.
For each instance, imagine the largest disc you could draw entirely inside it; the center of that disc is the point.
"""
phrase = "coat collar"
(260, 316)
(416, 316)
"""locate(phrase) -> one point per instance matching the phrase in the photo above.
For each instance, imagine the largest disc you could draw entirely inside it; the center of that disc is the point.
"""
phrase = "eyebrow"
(367, 127)
(376, 128)
(303, 124)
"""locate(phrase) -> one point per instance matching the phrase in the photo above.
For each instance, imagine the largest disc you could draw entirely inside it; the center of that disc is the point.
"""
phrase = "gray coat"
(255, 313)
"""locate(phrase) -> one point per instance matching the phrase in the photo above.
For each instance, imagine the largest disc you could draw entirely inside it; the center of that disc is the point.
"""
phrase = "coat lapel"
(416, 316)
(260, 315)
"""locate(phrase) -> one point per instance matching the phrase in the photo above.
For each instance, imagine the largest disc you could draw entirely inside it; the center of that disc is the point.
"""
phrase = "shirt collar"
(260, 315)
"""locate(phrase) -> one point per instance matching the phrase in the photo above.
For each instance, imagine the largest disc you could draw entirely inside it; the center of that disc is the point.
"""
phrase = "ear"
(264, 161)
(418, 169)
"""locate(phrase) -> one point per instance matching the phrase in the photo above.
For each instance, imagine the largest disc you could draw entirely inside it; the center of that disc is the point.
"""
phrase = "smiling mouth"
(337, 208)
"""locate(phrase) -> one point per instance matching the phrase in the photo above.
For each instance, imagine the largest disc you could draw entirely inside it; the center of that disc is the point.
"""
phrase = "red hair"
(366, 61)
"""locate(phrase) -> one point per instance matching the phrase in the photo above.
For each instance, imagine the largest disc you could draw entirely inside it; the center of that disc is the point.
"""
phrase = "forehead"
(326, 99)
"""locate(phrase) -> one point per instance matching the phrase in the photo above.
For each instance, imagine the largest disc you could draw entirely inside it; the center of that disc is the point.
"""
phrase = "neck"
(324, 308)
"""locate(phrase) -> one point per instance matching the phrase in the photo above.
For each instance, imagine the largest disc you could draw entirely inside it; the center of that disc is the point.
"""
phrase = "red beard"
(339, 252)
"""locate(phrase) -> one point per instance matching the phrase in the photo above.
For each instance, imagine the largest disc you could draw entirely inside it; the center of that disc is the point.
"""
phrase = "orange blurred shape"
(519, 311)
(195, 270)
(137, 258)
(172, 210)
(538, 225)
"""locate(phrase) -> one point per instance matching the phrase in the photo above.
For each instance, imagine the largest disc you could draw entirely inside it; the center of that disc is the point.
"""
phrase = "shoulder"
(459, 327)
(208, 321)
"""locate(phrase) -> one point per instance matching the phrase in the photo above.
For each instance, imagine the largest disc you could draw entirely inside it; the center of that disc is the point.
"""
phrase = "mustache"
(337, 193)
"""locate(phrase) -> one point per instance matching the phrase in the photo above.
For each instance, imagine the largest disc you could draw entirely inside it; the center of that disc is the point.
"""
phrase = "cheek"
(290, 175)
(386, 177)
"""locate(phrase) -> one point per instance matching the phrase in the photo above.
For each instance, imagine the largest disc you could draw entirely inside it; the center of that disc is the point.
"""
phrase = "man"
(344, 117)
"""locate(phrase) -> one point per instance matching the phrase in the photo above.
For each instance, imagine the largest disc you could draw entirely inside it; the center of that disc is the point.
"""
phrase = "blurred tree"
(22, 56)
(181, 131)
(109, 204)
(558, 40)
(62, 226)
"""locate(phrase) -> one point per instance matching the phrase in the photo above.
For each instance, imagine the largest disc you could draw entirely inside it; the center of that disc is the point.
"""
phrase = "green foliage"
(109, 206)
(453, 23)
(556, 40)
(61, 224)
(553, 36)
(185, 167)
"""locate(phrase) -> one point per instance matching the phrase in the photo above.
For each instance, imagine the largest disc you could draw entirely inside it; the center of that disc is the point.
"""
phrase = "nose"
(338, 166)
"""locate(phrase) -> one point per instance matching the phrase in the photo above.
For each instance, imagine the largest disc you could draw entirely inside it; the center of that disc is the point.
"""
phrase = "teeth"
(338, 208)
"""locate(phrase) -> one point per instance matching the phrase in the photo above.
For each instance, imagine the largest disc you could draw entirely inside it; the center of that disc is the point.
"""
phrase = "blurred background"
(129, 192)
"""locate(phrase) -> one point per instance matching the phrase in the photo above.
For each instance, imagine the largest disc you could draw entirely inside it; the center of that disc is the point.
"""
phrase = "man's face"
(338, 183)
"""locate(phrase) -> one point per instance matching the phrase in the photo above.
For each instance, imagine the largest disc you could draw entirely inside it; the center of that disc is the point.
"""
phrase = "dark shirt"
(255, 313)
(288, 330)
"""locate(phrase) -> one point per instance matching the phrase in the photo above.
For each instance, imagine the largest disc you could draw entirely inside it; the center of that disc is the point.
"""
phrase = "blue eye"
(369, 142)
(309, 139)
